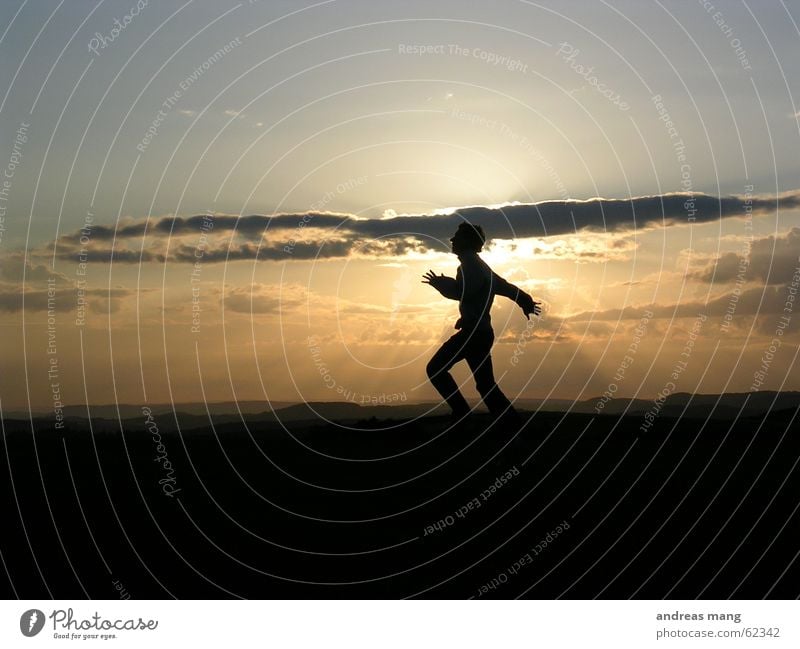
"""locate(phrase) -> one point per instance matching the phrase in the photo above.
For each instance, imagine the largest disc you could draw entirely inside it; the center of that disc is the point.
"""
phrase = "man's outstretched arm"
(516, 294)
(447, 286)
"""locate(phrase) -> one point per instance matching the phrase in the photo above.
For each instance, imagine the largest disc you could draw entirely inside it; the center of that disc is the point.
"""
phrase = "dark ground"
(689, 509)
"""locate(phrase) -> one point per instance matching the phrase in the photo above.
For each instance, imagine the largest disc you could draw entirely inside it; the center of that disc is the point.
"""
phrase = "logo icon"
(31, 622)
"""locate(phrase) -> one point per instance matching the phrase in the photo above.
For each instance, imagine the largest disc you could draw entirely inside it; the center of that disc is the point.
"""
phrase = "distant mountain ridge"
(725, 406)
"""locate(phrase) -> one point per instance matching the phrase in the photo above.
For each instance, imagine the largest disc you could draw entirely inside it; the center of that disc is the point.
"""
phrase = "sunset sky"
(238, 200)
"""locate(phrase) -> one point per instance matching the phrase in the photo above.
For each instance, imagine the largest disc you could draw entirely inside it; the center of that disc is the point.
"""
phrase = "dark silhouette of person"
(474, 286)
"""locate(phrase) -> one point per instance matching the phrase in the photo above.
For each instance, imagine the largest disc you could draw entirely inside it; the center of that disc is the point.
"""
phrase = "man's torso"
(475, 278)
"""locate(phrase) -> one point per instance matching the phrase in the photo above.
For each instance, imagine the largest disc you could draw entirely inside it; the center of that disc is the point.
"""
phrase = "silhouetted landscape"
(336, 303)
(725, 406)
(379, 501)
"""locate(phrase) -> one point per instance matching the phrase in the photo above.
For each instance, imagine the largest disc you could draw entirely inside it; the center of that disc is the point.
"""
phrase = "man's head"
(468, 238)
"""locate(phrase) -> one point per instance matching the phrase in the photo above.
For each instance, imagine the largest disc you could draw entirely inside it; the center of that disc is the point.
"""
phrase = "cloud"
(770, 260)
(754, 301)
(242, 301)
(340, 235)
(106, 255)
(14, 266)
(65, 300)
(573, 248)
(285, 251)
(294, 299)
(262, 299)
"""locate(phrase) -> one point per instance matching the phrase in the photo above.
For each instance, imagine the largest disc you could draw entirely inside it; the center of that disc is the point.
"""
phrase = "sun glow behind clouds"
(447, 211)
(391, 213)
(579, 248)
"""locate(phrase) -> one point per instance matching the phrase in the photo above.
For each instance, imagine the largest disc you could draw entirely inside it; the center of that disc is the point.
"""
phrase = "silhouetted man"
(474, 286)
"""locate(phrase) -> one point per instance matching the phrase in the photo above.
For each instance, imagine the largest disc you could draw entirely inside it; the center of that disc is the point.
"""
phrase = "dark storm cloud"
(432, 231)
(564, 217)
(325, 249)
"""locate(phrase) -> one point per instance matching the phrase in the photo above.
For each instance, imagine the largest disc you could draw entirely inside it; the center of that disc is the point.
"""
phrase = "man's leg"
(479, 358)
(438, 370)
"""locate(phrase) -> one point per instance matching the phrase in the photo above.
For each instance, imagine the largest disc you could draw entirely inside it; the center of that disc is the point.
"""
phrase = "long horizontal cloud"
(323, 249)
(431, 231)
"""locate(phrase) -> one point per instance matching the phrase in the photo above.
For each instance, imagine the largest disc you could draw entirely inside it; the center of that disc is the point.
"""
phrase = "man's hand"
(528, 306)
(437, 281)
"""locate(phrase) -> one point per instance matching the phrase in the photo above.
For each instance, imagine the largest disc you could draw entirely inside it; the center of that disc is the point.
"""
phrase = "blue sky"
(637, 49)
